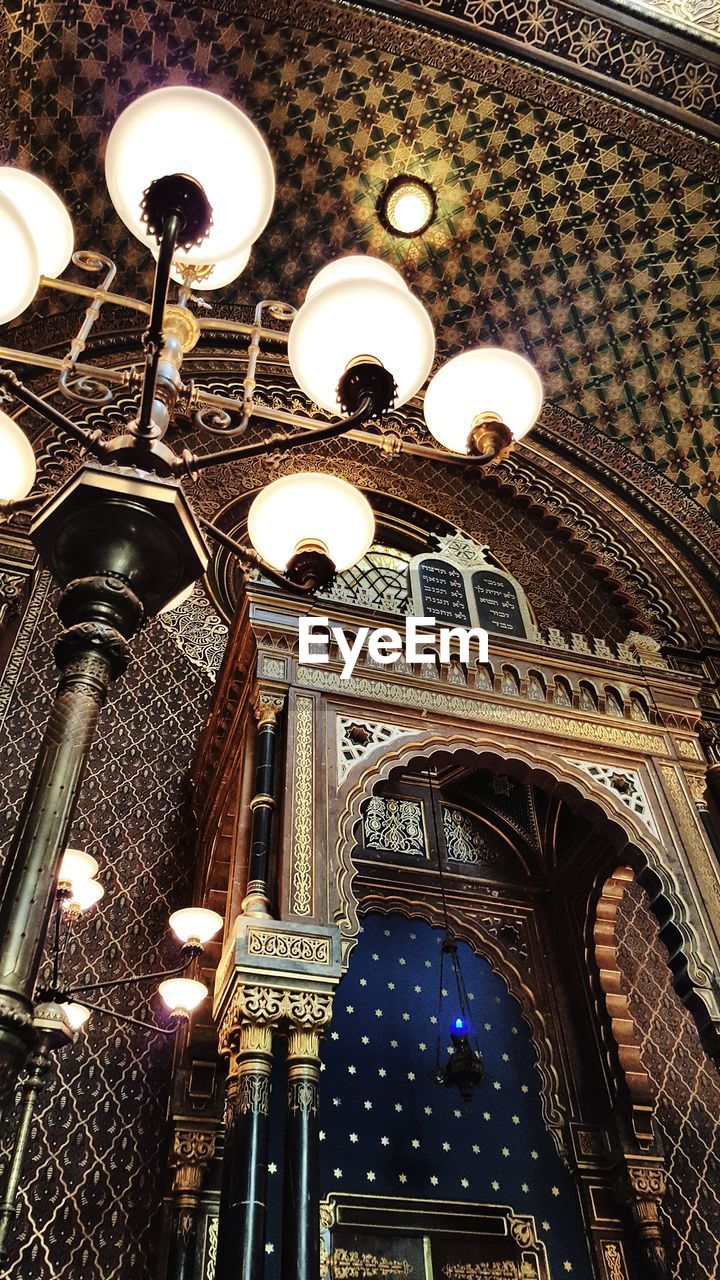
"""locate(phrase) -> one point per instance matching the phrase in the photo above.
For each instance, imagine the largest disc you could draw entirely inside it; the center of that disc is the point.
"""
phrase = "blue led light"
(460, 1027)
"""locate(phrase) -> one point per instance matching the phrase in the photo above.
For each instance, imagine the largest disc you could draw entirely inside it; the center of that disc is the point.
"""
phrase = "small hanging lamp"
(464, 1069)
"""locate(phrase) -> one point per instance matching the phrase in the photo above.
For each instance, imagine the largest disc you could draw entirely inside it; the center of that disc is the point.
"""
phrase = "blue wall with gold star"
(387, 1127)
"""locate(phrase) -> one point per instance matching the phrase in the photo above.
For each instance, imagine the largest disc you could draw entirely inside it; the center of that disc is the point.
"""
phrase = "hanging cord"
(449, 944)
(441, 872)
(450, 941)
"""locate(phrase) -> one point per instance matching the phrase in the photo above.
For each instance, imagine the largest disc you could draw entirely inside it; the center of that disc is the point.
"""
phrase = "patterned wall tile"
(688, 1094)
(90, 1193)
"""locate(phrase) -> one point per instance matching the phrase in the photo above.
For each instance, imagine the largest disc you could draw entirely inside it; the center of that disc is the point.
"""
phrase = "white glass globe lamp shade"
(44, 215)
(77, 867)
(182, 995)
(186, 130)
(17, 459)
(19, 262)
(359, 306)
(76, 1014)
(194, 926)
(478, 390)
(209, 275)
(85, 895)
(310, 510)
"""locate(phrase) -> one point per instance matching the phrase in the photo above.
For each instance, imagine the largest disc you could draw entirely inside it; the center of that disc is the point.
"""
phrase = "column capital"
(268, 701)
(277, 973)
(193, 1147)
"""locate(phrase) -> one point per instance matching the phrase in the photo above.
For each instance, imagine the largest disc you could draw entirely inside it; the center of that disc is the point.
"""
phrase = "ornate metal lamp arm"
(135, 977)
(86, 291)
(251, 560)
(192, 463)
(92, 440)
(135, 1022)
(89, 389)
(122, 377)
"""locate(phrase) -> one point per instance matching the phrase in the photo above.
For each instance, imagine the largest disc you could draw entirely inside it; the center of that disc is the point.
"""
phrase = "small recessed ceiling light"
(407, 206)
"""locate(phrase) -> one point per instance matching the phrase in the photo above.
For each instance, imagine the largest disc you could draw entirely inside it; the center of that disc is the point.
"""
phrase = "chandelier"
(62, 1008)
(192, 179)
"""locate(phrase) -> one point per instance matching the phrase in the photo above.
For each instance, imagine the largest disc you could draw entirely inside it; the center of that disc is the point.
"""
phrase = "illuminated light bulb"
(85, 894)
(311, 509)
(76, 1014)
(44, 215)
(407, 206)
(19, 260)
(191, 131)
(182, 995)
(77, 867)
(359, 306)
(17, 459)
(195, 925)
(484, 385)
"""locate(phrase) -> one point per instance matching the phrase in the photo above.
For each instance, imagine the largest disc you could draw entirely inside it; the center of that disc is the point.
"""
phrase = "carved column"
(100, 613)
(243, 1197)
(301, 1205)
(193, 1149)
(647, 1187)
(702, 785)
(274, 976)
(267, 703)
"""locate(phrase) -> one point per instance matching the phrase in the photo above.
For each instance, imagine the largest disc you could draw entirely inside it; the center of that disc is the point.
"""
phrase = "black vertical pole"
(243, 1198)
(102, 613)
(301, 1208)
(257, 895)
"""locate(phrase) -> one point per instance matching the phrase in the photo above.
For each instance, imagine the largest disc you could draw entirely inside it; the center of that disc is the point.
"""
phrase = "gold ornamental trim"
(614, 1261)
(272, 944)
(482, 1271)
(348, 1264)
(448, 704)
(696, 849)
(302, 843)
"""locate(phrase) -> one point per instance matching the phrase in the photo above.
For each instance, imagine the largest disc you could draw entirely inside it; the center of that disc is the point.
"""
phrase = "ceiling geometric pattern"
(621, 47)
(579, 233)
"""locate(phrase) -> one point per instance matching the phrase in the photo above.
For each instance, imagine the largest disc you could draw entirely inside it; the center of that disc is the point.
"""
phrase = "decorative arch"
(475, 934)
(603, 919)
(691, 978)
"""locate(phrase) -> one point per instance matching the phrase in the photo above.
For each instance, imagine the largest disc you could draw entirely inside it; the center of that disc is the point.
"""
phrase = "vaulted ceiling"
(576, 228)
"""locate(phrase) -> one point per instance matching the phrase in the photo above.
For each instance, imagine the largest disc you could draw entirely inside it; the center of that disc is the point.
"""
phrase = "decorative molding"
(356, 738)
(303, 803)
(211, 1248)
(276, 945)
(253, 1094)
(614, 1258)
(394, 824)
(268, 1005)
(701, 861)
(447, 704)
(622, 1023)
(467, 840)
(622, 782)
(574, 39)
